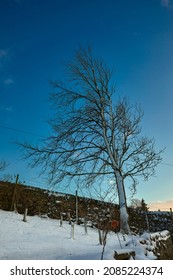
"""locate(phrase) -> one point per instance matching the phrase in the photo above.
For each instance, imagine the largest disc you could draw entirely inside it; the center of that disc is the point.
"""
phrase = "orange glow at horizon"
(161, 205)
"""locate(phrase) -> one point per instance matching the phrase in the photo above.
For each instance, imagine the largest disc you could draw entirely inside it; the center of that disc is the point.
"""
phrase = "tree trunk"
(124, 226)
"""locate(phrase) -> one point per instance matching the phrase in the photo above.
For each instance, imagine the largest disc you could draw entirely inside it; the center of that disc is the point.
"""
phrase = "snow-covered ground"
(44, 239)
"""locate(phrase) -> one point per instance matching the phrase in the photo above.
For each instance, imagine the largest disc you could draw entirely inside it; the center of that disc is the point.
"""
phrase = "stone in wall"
(160, 243)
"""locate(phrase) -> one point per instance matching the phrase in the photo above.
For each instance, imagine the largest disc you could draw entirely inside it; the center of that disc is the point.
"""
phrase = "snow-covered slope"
(44, 239)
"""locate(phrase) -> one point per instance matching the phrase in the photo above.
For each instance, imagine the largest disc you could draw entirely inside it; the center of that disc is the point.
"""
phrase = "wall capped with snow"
(163, 248)
(155, 246)
(50, 204)
(160, 243)
(45, 203)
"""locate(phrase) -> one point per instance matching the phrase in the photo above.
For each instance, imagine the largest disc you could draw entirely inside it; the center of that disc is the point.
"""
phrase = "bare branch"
(3, 165)
(91, 136)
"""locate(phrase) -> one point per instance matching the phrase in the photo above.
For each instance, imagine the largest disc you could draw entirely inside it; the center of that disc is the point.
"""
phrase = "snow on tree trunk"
(124, 226)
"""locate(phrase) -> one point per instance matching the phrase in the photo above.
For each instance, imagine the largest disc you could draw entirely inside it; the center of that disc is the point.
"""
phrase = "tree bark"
(124, 226)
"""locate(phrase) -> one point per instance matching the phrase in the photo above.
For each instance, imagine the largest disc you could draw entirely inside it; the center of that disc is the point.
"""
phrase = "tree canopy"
(93, 134)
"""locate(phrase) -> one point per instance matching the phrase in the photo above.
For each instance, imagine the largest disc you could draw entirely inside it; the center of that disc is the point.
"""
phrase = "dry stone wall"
(52, 204)
(160, 243)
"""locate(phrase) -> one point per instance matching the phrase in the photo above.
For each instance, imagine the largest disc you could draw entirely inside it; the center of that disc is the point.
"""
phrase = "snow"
(44, 239)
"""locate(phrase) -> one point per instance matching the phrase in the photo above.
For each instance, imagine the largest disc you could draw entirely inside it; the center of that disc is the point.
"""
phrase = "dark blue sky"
(135, 37)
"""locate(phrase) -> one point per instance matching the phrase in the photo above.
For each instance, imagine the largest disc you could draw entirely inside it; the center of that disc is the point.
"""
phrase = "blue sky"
(135, 37)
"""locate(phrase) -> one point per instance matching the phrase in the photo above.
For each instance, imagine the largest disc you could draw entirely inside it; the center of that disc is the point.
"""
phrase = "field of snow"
(44, 239)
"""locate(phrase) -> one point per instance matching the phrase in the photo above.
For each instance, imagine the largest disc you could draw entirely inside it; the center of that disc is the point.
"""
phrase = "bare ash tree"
(92, 135)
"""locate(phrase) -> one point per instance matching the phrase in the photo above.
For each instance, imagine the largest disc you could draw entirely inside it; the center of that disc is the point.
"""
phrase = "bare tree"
(139, 204)
(135, 203)
(92, 135)
(3, 165)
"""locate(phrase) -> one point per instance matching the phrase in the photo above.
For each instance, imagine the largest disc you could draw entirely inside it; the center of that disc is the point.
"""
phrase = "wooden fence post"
(85, 225)
(72, 230)
(99, 230)
(61, 221)
(25, 214)
(13, 202)
(171, 215)
(148, 226)
(77, 209)
(69, 218)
